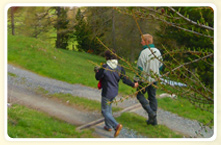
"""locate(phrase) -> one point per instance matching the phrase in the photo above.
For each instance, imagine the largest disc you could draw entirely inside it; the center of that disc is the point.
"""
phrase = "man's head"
(146, 39)
(110, 55)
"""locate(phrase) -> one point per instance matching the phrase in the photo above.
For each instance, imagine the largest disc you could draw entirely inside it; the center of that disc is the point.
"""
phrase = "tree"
(12, 12)
(61, 25)
(113, 29)
(37, 21)
(84, 34)
(12, 21)
(116, 30)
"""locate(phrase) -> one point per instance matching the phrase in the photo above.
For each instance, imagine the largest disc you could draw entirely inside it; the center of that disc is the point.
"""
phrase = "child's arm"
(125, 79)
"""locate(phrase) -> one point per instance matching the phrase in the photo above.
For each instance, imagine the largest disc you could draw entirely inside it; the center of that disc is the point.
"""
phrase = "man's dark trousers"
(150, 105)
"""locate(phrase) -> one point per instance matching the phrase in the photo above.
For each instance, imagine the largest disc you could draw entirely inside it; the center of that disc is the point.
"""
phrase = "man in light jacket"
(149, 65)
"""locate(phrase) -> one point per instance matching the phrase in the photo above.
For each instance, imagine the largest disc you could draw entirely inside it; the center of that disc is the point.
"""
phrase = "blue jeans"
(106, 110)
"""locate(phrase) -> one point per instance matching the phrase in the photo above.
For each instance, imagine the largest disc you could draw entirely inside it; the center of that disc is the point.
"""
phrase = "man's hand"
(136, 84)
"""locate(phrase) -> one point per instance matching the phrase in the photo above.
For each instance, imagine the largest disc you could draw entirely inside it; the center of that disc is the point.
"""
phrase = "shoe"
(152, 121)
(107, 129)
(118, 129)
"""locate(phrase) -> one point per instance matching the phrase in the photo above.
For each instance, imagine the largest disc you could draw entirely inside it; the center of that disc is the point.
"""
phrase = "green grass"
(27, 123)
(69, 66)
(37, 56)
(138, 123)
(184, 108)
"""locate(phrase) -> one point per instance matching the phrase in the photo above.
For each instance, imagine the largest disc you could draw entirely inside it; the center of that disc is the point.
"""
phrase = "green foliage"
(81, 32)
(28, 123)
(118, 30)
(61, 25)
(32, 21)
(50, 24)
(83, 35)
(174, 39)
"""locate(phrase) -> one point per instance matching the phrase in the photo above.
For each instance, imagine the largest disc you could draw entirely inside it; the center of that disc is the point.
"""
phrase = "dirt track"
(23, 84)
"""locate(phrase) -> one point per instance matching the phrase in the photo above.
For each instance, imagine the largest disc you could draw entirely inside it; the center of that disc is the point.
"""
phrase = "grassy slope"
(70, 66)
(27, 123)
(138, 123)
(184, 108)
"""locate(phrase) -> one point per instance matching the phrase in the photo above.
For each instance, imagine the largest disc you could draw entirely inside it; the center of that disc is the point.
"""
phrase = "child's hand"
(96, 68)
(136, 84)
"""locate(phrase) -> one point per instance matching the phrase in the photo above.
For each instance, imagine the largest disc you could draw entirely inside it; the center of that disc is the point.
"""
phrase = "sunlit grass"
(27, 123)
(138, 123)
(184, 108)
(69, 66)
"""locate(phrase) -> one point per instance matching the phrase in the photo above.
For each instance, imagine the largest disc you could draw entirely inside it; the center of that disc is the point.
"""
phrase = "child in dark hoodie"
(110, 75)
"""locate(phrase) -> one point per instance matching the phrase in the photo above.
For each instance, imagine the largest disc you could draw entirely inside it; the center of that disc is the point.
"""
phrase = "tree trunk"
(58, 41)
(12, 21)
(113, 30)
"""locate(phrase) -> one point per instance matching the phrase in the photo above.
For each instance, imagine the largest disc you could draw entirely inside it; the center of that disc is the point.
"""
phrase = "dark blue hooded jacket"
(109, 80)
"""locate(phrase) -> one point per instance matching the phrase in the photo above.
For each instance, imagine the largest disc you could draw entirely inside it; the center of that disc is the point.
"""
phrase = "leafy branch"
(191, 21)
(144, 14)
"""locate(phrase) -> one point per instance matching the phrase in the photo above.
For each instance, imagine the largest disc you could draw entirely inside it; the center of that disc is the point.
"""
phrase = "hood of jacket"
(112, 63)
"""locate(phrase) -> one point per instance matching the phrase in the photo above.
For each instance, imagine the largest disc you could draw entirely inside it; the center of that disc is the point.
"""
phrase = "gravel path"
(53, 108)
(23, 82)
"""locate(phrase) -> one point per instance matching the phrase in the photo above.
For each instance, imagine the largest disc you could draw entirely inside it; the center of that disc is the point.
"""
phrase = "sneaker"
(107, 129)
(118, 129)
(152, 121)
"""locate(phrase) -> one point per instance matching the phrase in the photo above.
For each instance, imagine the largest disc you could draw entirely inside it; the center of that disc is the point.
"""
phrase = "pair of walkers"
(111, 73)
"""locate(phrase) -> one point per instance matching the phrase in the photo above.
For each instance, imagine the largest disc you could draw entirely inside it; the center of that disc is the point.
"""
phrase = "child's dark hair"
(110, 55)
